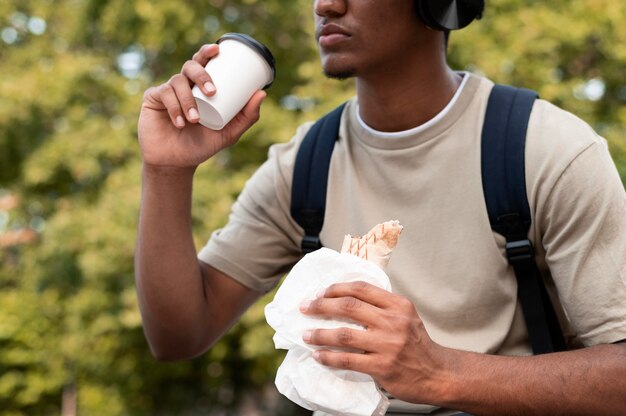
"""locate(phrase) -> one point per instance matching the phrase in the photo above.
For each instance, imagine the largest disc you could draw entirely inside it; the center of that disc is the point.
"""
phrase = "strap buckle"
(520, 251)
(310, 243)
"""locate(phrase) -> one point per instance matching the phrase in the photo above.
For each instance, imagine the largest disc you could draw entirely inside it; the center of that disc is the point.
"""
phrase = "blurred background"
(73, 74)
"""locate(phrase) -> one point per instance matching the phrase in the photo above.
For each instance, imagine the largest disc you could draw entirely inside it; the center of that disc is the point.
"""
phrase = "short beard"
(340, 75)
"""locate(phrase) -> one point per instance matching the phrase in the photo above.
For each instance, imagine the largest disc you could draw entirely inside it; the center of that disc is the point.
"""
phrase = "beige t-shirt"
(448, 261)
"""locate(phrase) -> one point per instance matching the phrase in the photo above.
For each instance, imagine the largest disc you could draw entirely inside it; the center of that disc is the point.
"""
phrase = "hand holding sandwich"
(396, 349)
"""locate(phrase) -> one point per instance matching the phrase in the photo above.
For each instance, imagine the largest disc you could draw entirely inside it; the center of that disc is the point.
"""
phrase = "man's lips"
(331, 34)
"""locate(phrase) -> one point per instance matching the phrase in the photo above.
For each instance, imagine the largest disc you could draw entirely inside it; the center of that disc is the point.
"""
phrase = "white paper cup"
(242, 67)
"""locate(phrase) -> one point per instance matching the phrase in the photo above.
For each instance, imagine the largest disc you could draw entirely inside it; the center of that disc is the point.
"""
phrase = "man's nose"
(329, 8)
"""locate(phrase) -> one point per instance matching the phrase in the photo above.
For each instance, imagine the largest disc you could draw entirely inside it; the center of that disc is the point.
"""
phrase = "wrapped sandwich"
(300, 377)
(376, 245)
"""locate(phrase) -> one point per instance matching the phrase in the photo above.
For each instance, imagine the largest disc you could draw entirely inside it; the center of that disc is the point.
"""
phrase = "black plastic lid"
(257, 46)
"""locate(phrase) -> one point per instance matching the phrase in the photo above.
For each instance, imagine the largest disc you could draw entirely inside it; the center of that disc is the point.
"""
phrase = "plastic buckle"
(520, 251)
(310, 243)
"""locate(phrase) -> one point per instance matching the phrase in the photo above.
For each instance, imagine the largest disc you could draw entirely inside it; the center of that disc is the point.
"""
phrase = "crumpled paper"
(300, 378)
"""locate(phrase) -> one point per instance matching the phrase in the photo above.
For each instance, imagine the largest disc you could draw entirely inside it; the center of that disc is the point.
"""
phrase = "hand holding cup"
(169, 129)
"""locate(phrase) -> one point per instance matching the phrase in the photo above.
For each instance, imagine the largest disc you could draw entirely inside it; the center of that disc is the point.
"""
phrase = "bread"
(376, 245)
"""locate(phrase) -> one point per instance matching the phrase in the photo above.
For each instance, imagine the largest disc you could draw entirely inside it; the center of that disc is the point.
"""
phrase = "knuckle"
(344, 336)
(177, 79)
(405, 304)
(189, 64)
(199, 53)
(148, 92)
(396, 345)
(345, 362)
(360, 286)
(330, 289)
(166, 88)
(403, 322)
(193, 70)
(386, 370)
(350, 304)
(316, 305)
(378, 370)
(386, 365)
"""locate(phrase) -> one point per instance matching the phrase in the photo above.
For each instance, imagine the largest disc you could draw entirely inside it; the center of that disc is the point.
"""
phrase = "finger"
(347, 308)
(354, 339)
(249, 115)
(197, 75)
(180, 85)
(363, 291)
(167, 96)
(363, 363)
(206, 53)
(152, 99)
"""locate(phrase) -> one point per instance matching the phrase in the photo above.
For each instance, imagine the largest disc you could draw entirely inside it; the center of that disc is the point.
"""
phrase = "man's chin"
(337, 67)
(339, 74)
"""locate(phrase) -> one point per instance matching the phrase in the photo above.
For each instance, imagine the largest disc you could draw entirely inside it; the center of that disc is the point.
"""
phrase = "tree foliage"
(73, 75)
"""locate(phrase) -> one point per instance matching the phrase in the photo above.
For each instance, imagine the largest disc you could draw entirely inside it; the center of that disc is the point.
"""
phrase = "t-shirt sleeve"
(260, 242)
(582, 222)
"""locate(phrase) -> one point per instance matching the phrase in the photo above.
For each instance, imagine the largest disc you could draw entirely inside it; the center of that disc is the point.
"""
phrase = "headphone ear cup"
(449, 14)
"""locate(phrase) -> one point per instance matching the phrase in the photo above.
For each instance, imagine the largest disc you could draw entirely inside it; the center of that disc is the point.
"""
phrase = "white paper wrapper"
(302, 379)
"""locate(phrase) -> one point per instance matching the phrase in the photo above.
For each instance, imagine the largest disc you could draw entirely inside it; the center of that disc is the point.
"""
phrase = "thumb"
(248, 115)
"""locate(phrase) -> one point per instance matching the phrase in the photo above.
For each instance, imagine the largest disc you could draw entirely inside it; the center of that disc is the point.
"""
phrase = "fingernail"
(305, 305)
(316, 355)
(210, 88)
(193, 114)
(320, 294)
(306, 336)
(180, 121)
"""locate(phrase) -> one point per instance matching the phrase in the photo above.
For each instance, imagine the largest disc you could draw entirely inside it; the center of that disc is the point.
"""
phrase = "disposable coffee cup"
(242, 67)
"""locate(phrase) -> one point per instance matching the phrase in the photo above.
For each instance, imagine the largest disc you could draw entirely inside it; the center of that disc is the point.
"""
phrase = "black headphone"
(448, 15)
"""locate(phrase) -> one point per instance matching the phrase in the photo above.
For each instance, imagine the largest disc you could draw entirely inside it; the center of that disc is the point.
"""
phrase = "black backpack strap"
(310, 177)
(504, 187)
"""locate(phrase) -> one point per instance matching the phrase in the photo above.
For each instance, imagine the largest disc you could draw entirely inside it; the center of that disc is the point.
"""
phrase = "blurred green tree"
(69, 179)
(572, 52)
(73, 75)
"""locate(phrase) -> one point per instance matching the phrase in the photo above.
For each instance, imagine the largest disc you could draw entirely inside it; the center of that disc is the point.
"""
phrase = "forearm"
(583, 382)
(168, 275)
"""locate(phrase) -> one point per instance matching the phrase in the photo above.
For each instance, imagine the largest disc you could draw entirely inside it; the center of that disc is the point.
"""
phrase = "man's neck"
(404, 99)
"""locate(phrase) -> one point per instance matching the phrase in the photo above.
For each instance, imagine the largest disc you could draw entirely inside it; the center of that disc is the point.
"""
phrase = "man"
(452, 334)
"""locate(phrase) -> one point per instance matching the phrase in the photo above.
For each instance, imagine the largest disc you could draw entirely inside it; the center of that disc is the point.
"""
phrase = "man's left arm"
(402, 358)
(588, 381)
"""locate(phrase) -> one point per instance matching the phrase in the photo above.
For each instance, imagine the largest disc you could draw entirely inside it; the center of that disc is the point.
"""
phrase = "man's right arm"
(186, 305)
